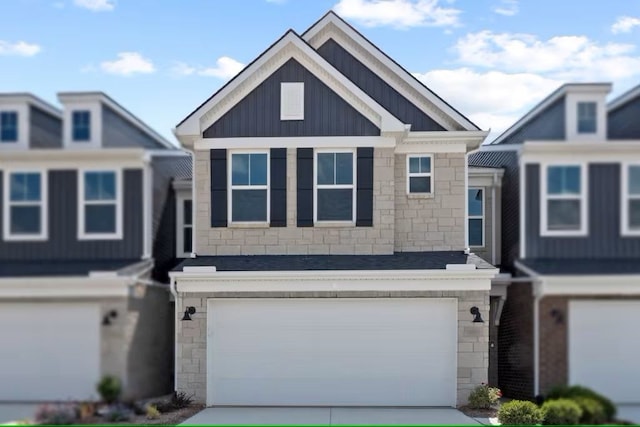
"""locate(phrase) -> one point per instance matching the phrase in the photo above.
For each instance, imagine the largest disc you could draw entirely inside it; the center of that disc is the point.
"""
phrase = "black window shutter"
(278, 187)
(364, 196)
(304, 172)
(219, 188)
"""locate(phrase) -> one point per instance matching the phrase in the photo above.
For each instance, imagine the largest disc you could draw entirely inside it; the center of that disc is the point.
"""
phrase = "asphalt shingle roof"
(559, 267)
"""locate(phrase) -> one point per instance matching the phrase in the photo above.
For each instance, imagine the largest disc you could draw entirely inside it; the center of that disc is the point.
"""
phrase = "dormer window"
(587, 117)
(8, 126)
(81, 126)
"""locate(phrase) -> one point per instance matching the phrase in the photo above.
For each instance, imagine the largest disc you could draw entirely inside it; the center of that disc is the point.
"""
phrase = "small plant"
(572, 392)
(180, 399)
(152, 412)
(484, 397)
(561, 412)
(117, 413)
(592, 411)
(56, 415)
(519, 412)
(109, 388)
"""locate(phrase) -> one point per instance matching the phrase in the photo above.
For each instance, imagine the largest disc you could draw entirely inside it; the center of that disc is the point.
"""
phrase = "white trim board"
(624, 98)
(64, 287)
(610, 151)
(332, 26)
(289, 46)
(295, 142)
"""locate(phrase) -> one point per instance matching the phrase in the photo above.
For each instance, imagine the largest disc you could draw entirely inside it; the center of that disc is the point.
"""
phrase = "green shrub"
(561, 412)
(592, 410)
(484, 397)
(519, 412)
(109, 388)
(572, 392)
(118, 413)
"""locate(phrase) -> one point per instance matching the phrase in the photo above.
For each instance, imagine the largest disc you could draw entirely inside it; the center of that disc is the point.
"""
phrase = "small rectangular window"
(187, 228)
(249, 187)
(292, 101)
(335, 190)
(8, 126)
(419, 175)
(25, 195)
(631, 200)
(100, 205)
(476, 216)
(587, 121)
(563, 200)
(81, 126)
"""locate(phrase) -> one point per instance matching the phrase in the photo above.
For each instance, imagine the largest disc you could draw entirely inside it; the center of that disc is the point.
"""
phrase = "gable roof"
(290, 45)
(544, 104)
(406, 83)
(624, 99)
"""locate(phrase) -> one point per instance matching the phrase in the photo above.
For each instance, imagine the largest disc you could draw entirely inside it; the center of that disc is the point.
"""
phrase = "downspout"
(173, 287)
(536, 344)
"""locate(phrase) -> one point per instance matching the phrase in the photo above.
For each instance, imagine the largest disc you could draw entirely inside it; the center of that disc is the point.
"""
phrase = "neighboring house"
(571, 243)
(87, 232)
(329, 233)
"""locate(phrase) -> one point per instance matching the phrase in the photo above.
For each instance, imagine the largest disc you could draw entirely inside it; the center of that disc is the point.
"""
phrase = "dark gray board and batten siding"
(45, 130)
(624, 121)
(117, 132)
(377, 88)
(258, 114)
(549, 124)
(63, 243)
(604, 239)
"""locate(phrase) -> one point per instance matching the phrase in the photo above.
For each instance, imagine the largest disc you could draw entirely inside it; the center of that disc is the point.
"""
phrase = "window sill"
(100, 237)
(564, 234)
(420, 195)
(25, 238)
(334, 224)
(248, 225)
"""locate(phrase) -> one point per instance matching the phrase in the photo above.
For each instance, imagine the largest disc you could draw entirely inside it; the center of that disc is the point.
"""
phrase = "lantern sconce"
(477, 318)
(188, 312)
(106, 319)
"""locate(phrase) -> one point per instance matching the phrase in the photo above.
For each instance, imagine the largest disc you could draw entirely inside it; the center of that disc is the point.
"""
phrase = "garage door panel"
(332, 352)
(604, 346)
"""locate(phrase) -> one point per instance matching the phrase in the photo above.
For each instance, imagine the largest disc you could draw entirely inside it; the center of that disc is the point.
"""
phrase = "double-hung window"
(476, 217)
(249, 195)
(563, 201)
(419, 179)
(8, 126)
(81, 126)
(335, 186)
(25, 206)
(100, 207)
(631, 200)
(587, 119)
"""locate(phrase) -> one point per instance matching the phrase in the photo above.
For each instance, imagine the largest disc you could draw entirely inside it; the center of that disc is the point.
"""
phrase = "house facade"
(329, 233)
(570, 244)
(87, 215)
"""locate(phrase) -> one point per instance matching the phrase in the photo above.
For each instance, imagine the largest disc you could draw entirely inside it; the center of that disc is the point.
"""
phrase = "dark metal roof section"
(578, 267)
(397, 261)
(61, 267)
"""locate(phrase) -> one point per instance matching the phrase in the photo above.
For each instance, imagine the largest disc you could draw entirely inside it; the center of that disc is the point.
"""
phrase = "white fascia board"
(295, 142)
(64, 287)
(30, 99)
(289, 46)
(624, 98)
(65, 159)
(589, 285)
(326, 27)
(441, 142)
(594, 152)
(335, 281)
(482, 171)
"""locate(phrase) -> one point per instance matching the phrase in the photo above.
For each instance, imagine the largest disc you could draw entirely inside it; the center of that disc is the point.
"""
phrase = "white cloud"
(96, 5)
(225, 68)
(19, 48)
(625, 24)
(127, 64)
(399, 14)
(507, 8)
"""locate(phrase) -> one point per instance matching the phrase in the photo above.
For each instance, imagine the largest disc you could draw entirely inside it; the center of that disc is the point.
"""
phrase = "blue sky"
(491, 59)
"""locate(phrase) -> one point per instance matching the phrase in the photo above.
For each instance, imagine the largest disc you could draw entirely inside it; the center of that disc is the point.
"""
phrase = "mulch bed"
(169, 418)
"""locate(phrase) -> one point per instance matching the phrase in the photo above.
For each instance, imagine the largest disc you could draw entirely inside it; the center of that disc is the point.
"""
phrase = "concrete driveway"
(253, 415)
(16, 411)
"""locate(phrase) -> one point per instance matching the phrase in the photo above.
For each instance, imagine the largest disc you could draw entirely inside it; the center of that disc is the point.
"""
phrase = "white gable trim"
(331, 26)
(289, 46)
(624, 98)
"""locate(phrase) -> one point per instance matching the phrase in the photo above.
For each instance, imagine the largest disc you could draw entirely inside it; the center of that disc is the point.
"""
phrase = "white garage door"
(49, 351)
(604, 344)
(338, 352)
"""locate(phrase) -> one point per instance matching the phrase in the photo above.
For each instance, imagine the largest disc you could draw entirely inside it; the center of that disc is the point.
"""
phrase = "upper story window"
(631, 200)
(419, 176)
(184, 227)
(334, 186)
(8, 126)
(587, 117)
(249, 187)
(563, 204)
(476, 216)
(292, 101)
(100, 206)
(24, 206)
(81, 126)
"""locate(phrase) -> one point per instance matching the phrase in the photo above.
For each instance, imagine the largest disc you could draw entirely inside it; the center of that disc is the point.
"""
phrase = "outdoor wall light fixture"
(106, 319)
(477, 318)
(557, 315)
(188, 312)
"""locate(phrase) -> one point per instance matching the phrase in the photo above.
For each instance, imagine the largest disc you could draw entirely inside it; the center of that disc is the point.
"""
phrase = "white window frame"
(595, 117)
(582, 197)
(82, 234)
(353, 186)
(43, 204)
(181, 225)
(480, 217)
(420, 174)
(287, 88)
(625, 199)
(231, 187)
